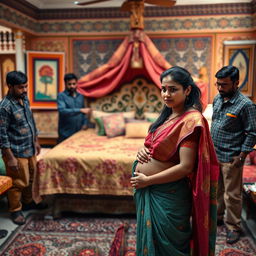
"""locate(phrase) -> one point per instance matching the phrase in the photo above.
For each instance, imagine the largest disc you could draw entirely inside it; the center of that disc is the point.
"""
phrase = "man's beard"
(72, 90)
(20, 96)
(227, 94)
(23, 95)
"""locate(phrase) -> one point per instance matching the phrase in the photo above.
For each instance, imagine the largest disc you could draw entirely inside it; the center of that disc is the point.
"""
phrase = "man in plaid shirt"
(233, 132)
(19, 144)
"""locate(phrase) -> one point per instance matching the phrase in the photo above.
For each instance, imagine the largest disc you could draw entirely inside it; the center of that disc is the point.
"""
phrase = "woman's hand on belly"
(143, 155)
(140, 180)
(143, 171)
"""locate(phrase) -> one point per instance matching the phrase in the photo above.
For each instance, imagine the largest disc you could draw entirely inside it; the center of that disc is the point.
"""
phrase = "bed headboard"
(139, 96)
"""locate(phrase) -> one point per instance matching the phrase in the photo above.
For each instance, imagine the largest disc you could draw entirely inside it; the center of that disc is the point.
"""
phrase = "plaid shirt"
(233, 126)
(17, 127)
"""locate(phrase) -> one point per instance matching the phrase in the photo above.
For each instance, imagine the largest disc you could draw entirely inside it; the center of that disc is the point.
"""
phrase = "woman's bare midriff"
(153, 166)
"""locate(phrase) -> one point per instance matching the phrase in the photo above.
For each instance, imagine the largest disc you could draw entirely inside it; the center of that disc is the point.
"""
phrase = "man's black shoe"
(34, 206)
(233, 236)
(3, 233)
(18, 218)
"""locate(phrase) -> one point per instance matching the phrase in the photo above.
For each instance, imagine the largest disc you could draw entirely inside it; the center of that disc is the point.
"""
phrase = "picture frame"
(45, 71)
(241, 54)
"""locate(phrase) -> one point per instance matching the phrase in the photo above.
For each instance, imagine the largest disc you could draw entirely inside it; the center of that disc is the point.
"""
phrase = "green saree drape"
(171, 204)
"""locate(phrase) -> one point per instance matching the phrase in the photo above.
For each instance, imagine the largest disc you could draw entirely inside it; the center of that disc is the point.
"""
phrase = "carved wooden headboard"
(139, 96)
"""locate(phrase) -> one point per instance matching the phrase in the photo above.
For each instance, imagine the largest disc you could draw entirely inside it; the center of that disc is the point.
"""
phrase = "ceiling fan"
(135, 7)
(125, 5)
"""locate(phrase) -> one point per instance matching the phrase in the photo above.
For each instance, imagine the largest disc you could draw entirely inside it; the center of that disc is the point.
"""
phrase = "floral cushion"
(98, 115)
(5, 183)
(114, 125)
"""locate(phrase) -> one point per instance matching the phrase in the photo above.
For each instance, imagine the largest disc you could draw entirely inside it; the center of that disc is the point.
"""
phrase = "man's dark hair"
(228, 71)
(70, 76)
(16, 78)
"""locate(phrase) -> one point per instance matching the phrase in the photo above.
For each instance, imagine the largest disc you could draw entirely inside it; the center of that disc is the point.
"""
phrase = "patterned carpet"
(90, 236)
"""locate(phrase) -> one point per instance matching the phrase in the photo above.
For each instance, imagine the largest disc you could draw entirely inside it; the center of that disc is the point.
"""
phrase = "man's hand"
(84, 127)
(38, 147)
(12, 163)
(237, 161)
(86, 111)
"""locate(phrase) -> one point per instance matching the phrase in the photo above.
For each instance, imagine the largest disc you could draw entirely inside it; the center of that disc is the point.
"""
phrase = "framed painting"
(241, 54)
(45, 72)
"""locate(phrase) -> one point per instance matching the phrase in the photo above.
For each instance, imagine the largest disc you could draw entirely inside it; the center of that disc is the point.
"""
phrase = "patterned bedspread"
(87, 164)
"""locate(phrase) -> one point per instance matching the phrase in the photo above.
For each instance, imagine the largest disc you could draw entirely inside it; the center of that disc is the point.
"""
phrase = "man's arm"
(4, 140)
(12, 161)
(63, 108)
(249, 122)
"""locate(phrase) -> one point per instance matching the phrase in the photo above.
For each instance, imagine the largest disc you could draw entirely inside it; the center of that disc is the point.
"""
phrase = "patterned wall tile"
(17, 19)
(229, 23)
(199, 24)
(51, 44)
(152, 25)
(90, 54)
(191, 53)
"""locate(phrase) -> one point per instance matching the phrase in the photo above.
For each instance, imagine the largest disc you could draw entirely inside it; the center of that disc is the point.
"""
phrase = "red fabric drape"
(118, 70)
(106, 78)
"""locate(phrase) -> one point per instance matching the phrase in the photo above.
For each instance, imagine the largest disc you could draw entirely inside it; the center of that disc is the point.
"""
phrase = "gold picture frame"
(241, 55)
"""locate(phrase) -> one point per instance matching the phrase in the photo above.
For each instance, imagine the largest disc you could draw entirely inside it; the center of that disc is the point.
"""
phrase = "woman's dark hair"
(182, 77)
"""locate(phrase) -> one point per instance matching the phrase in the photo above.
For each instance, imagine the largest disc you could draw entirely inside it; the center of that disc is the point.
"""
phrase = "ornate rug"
(91, 236)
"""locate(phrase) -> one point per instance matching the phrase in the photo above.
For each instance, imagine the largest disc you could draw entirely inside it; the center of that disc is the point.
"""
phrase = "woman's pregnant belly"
(152, 167)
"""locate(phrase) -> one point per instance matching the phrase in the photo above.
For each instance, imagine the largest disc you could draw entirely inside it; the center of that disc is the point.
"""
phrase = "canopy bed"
(93, 165)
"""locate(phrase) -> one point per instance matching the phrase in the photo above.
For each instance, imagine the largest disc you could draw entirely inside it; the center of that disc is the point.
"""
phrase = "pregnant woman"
(175, 176)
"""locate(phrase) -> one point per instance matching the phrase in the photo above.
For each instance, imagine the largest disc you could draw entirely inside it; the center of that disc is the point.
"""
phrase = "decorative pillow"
(151, 115)
(100, 126)
(136, 130)
(97, 117)
(114, 125)
(133, 120)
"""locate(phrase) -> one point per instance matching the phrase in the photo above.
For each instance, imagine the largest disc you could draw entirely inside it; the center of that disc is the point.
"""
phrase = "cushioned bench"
(5, 184)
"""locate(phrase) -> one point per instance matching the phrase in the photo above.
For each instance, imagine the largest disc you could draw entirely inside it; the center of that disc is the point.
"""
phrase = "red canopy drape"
(106, 78)
(118, 70)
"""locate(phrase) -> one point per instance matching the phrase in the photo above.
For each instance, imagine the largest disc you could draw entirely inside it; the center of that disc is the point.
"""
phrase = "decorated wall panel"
(188, 21)
(88, 54)
(51, 44)
(191, 53)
